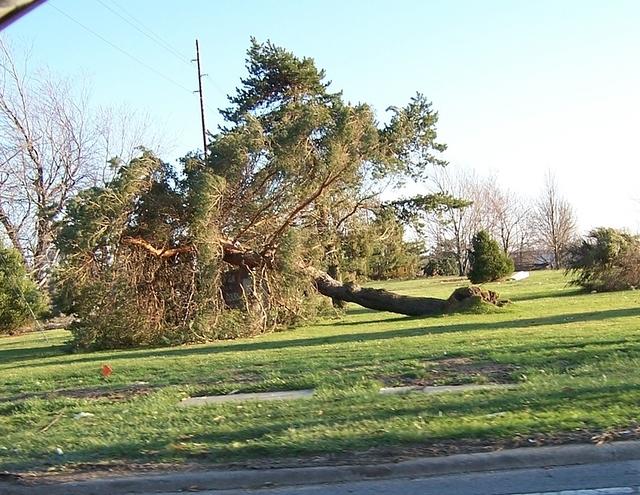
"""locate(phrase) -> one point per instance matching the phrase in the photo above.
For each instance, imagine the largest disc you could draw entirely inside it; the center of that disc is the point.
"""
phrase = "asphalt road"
(587, 469)
(613, 478)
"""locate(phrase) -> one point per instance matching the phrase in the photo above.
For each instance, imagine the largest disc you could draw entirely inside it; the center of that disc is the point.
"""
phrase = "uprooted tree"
(236, 243)
(606, 259)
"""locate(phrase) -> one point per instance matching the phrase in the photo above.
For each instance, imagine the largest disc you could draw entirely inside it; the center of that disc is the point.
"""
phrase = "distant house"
(533, 259)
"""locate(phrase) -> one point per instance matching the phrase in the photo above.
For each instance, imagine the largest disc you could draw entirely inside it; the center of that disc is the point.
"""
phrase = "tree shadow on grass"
(532, 296)
(32, 353)
(413, 405)
(523, 322)
(267, 345)
(261, 439)
(360, 311)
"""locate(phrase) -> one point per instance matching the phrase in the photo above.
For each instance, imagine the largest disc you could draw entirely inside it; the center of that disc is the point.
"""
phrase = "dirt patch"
(455, 371)
(465, 367)
(113, 394)
(233, 377)
(244, 377)
(117, 394)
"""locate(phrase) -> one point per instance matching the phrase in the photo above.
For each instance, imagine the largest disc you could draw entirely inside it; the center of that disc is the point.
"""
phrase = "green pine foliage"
(392, 256)
(488, 262)
(141, 263)
(441, 260)
(20, 297)
(147, 259)
(606, 260)
(375, 249)
(441, 264)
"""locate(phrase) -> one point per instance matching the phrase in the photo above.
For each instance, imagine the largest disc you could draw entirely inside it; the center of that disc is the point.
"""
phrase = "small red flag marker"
(106, 370)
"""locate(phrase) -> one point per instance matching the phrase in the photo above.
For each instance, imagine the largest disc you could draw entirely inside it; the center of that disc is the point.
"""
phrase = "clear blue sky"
(521, 86)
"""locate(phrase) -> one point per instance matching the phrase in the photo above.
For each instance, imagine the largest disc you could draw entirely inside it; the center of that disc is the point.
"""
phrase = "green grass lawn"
(573, 356)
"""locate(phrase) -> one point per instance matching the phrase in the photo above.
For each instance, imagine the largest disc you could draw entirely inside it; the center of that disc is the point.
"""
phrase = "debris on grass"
(443, 389)
(106, 370)
(266, 396)
(83, 414)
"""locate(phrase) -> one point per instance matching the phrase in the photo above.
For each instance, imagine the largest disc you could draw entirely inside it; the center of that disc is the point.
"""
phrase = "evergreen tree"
(237, 242)
(20, 298)
(488, 262)
(606, 259)
(148, 257)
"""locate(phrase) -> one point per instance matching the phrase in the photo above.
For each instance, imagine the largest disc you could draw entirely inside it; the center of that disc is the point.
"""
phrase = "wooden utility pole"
(204, 132)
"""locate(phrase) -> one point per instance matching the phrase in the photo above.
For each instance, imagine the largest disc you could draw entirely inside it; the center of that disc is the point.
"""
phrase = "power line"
(215, 85)
(145, 31)
(149, 33)
(136, 59)
(182, 56)
(121, 50)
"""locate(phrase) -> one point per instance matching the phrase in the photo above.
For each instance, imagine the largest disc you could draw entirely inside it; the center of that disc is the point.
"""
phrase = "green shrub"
(20, 298)
(488, 262)
(605, 260)
(443, 265)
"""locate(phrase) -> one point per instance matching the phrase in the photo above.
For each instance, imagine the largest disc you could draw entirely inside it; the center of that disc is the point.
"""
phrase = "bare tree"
(121, 130)
(525, 242)
(456, 226)
(51, 145)
(554, 221)
(507, 215)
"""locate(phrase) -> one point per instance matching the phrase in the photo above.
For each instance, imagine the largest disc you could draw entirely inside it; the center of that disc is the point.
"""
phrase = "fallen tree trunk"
(378, 299)
(384, 300)
(463, 298)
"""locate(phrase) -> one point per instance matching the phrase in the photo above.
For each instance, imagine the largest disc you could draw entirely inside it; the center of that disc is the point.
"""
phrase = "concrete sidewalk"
(250, 479)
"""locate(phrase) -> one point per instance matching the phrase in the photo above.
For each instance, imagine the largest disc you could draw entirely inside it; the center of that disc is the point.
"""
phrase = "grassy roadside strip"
(573, 356)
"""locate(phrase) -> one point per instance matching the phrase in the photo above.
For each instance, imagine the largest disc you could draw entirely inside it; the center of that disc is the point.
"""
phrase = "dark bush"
(20, 298)
(606, 260)
(443, 264)
(488, 262)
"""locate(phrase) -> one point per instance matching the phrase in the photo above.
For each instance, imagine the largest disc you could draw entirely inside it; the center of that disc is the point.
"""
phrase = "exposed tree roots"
(463, 298)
